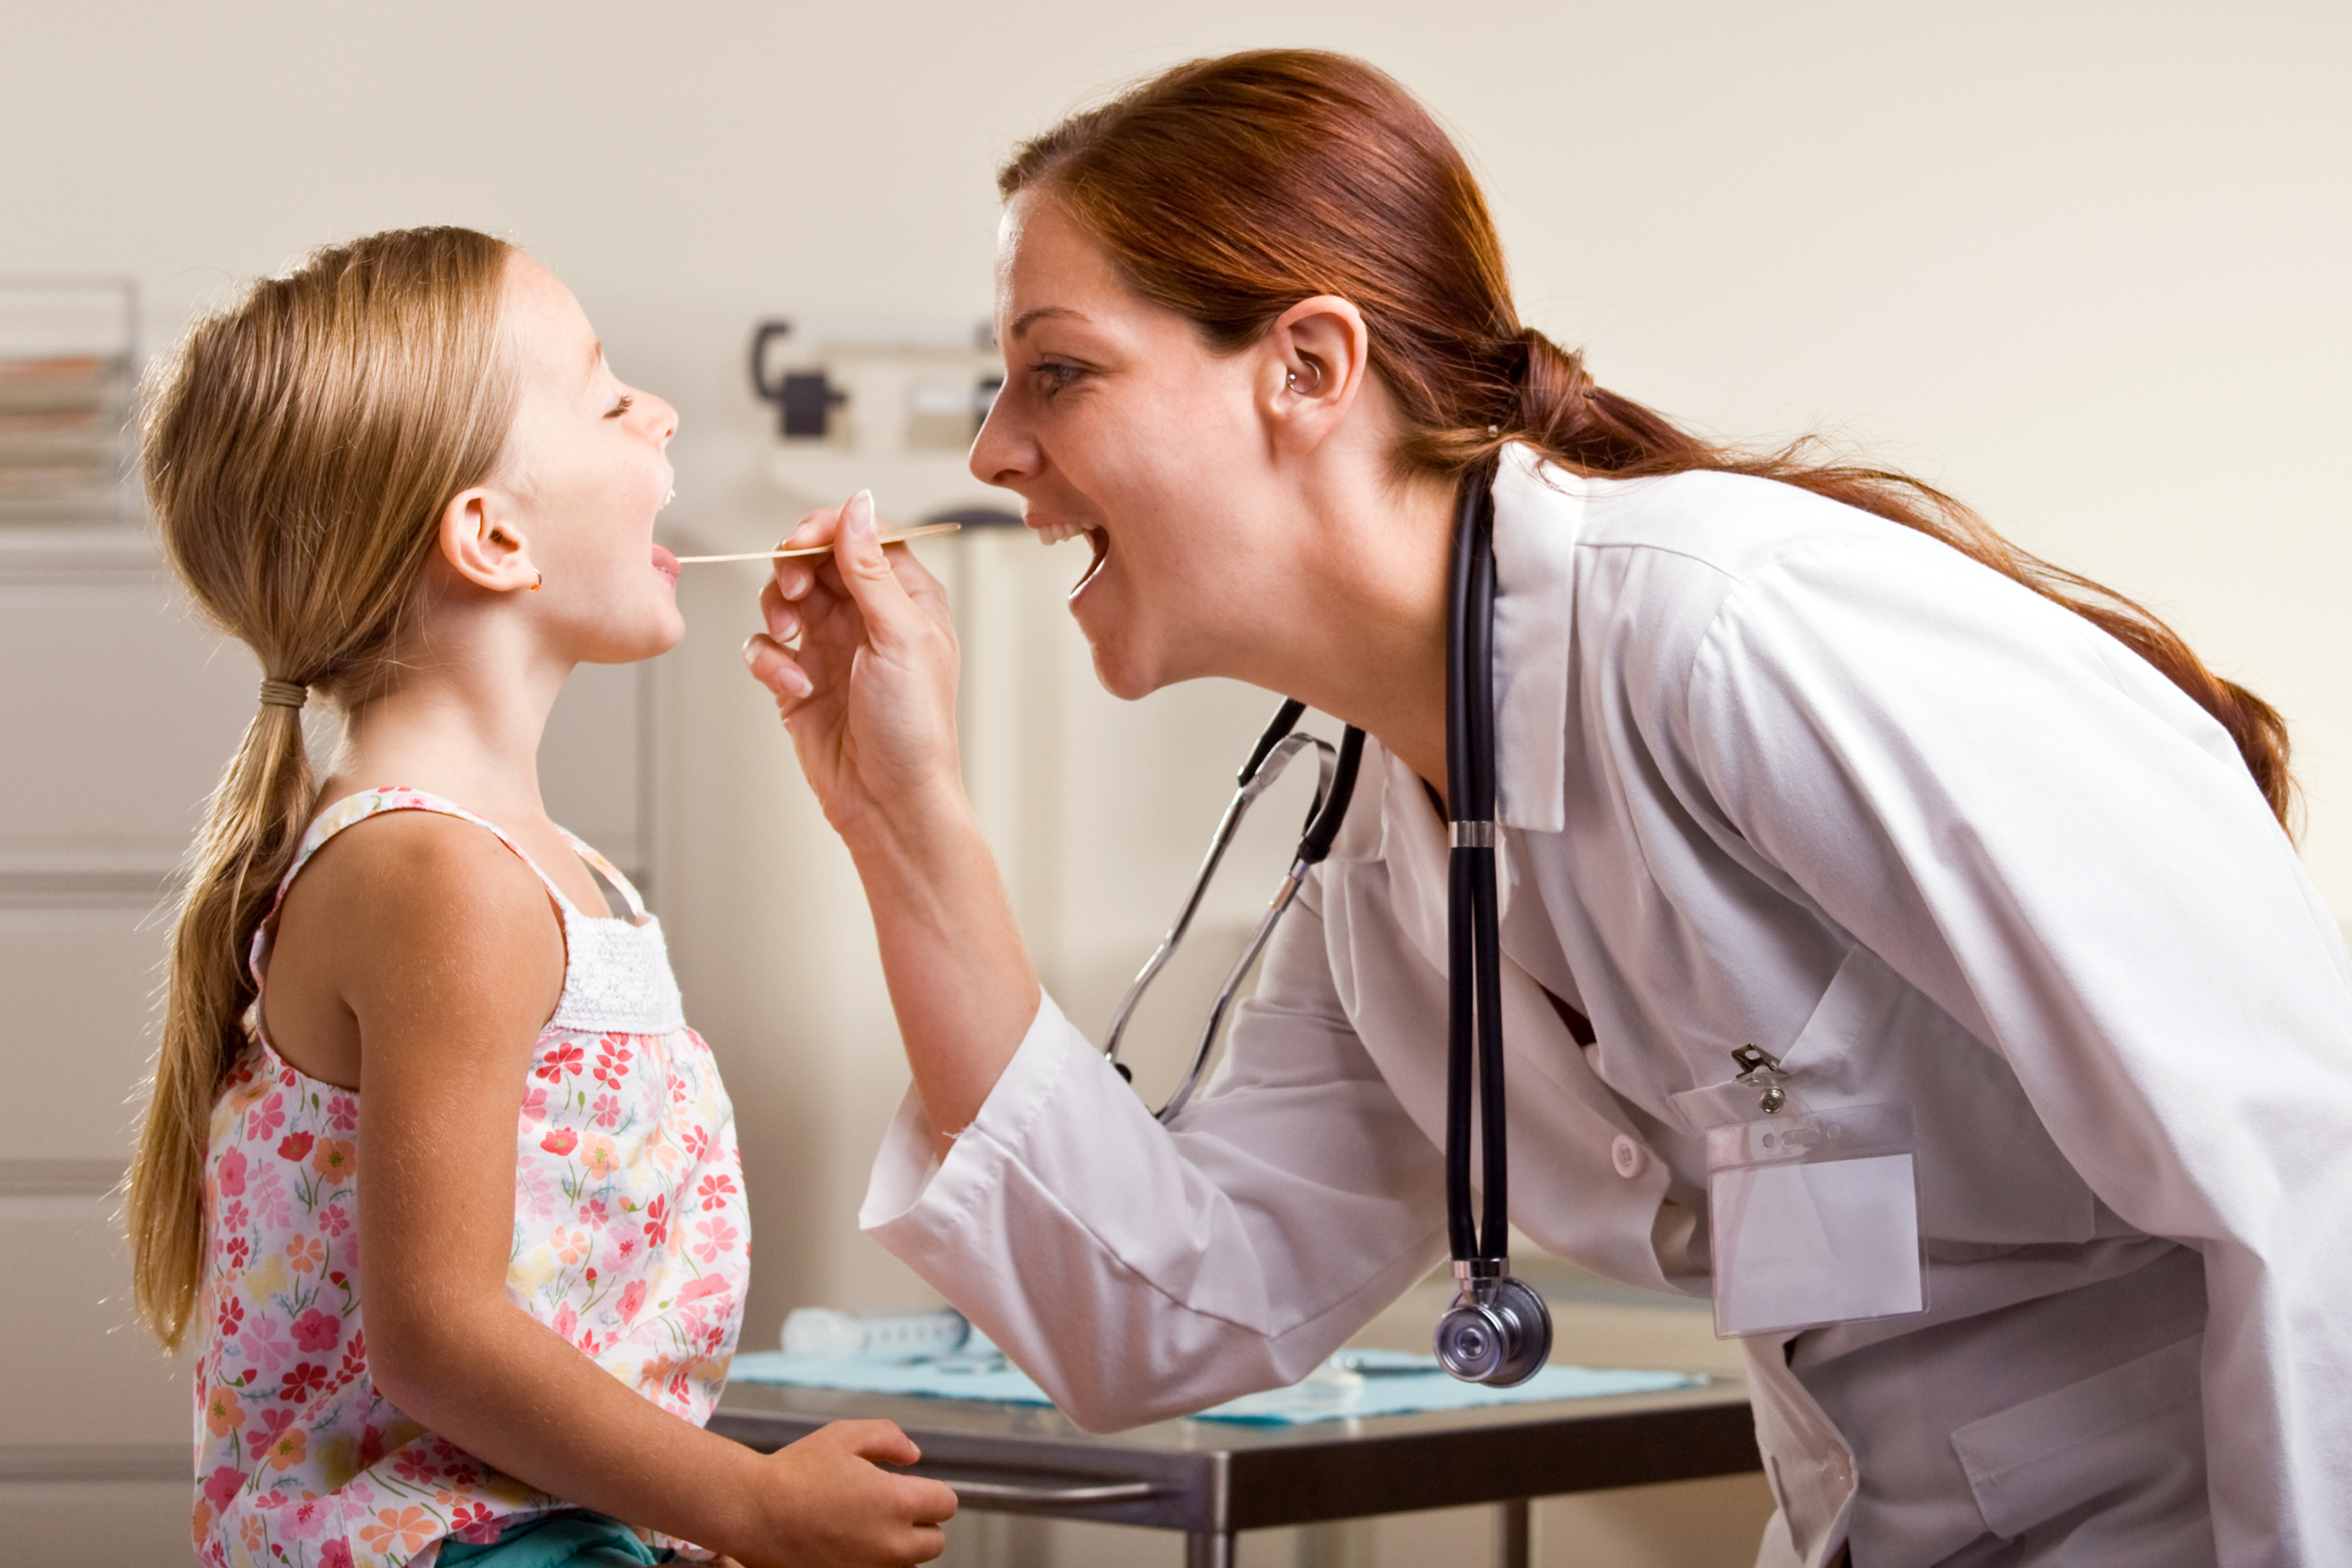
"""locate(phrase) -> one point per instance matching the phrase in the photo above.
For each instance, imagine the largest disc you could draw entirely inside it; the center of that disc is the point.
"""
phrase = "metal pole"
(1518, 1533)
(1208, 1549)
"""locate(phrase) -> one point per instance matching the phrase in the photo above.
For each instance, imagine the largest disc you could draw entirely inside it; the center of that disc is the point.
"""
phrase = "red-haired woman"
(1791, 757)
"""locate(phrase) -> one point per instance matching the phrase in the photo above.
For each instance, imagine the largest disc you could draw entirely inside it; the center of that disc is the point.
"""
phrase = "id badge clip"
(1814, 1214)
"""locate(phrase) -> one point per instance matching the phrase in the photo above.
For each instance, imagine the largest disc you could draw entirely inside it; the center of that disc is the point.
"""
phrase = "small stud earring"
(536, 579)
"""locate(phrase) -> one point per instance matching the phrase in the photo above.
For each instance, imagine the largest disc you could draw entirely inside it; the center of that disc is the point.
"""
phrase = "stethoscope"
(1497, 1331)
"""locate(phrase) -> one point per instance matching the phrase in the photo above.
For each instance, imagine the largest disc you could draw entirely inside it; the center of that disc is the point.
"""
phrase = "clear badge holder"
(1815, 1216)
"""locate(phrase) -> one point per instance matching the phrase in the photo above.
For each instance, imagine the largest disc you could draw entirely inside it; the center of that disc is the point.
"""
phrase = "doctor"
(1791, 757)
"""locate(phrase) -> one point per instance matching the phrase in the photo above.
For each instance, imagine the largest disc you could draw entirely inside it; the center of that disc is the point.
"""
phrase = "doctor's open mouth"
(1051, 533)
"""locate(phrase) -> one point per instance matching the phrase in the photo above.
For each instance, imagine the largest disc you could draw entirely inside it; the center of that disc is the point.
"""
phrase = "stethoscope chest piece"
(1498, 1331)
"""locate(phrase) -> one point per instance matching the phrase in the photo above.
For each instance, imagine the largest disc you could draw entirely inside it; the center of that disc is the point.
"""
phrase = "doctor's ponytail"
(1228, 190)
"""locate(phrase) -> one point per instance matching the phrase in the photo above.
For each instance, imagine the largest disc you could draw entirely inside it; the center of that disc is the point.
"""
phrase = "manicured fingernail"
(751, 653)
(859, 516)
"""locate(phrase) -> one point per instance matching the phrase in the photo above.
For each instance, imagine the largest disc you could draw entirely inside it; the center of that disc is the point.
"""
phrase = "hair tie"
(284, 694)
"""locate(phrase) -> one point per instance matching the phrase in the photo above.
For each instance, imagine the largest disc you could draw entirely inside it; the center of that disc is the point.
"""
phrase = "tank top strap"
(610, 872)
(369, 803)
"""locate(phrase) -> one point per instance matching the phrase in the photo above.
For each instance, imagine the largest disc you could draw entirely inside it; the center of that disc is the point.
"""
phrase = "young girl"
(434, 1167)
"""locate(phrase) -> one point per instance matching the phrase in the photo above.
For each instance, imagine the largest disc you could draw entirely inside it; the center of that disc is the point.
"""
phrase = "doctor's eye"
(1056, 375)
(627, 402)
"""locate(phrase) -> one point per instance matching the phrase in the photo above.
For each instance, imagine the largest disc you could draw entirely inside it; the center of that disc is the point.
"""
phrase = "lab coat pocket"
(2139, 1425)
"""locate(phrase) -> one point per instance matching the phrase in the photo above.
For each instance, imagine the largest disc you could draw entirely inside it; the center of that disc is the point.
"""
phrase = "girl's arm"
(450, 959)
(869, 696)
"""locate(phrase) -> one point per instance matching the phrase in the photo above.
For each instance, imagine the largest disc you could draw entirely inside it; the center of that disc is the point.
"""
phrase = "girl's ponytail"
(257, 816)
(297, 451)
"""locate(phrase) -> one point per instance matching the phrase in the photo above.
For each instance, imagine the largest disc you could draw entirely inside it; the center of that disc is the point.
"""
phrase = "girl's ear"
(484, 542)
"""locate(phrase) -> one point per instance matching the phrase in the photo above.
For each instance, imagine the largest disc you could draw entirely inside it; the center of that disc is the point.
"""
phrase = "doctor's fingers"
(772, 666)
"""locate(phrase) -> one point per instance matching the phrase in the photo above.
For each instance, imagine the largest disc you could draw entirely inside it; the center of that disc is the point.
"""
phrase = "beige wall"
(2083, 266)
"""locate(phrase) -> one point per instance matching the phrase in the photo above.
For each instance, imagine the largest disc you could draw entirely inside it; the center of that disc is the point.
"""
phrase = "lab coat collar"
(1538, 511)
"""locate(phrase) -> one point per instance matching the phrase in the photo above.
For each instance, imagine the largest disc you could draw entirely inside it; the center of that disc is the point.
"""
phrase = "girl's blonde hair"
(298, 449)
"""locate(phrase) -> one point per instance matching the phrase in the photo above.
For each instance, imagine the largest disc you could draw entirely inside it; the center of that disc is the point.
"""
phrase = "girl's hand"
(870, 693)
(833, 1507)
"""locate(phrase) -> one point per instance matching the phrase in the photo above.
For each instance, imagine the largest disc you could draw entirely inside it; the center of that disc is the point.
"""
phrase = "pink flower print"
(612, 1061)
(232, 1215)
(333, 1220)
(222, 1414)
(534, 1104)
(336, 1159)
(266, 1344)
(342, 1112)
(717, 1237)
(222, 1486)
(595, 1214)
(232, 1173)
(716, 1191)
(318, 1331)
(355, 1355)
(561, 1060)
(702, 1290)
(305, 1518)
(566, 1319)
(633, 1300)
(335, 1553)
(624, 1245)
(534, 1190)
(656, 1221)
(294, 1146)
(569, 1245)
(271, 1204)
(473, 1523)
(286, 1076)
(231, 1316)
(560, 1141)
(608, 1110)
(592, 1347)
(273, 1421)
(306, 1379)
(306, 1253)
(406, 1530)
(263, 1120)
(236, 1255)
(697, 1142)
(415, 1468)
(600, 1157)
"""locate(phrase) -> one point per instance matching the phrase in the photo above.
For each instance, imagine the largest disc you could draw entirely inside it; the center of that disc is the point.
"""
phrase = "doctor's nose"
(1002, 454)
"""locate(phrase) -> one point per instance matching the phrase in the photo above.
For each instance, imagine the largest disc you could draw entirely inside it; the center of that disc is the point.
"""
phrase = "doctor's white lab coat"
(1772, 772)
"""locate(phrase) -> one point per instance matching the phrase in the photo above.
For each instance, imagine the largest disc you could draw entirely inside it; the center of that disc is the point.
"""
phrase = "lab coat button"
(1628, 1157)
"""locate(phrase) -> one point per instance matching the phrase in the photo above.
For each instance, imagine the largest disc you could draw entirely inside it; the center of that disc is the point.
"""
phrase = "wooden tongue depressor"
(924, 531)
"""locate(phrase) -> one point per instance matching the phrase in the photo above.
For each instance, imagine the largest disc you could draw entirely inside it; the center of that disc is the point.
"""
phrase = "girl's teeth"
(1056, 532)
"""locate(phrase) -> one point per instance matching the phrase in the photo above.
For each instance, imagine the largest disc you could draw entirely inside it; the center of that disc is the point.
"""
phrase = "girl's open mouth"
(665, 564)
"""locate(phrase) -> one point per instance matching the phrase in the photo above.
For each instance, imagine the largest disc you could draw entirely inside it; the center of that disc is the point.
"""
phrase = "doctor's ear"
(1317, 354)
(483, 542)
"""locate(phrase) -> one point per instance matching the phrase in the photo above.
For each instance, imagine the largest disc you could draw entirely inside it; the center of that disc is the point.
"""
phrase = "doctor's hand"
(869, 692)
(832, 1506)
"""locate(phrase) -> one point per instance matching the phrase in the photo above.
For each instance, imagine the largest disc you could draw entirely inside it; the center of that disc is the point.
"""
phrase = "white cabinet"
(118, 710)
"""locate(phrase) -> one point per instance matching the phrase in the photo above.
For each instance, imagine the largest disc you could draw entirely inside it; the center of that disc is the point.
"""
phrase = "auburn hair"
(1228, 190)
(297, 451)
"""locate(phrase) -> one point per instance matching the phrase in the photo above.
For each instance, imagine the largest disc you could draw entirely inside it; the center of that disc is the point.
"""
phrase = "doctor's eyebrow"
(1021, 322)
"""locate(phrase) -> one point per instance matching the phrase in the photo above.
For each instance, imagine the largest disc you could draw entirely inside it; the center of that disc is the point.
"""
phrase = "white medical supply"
(821, 1333)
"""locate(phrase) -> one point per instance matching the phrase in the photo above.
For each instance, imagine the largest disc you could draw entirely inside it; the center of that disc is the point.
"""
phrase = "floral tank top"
(630, 1241)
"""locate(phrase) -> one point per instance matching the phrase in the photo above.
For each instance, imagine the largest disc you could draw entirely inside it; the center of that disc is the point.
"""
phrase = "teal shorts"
(575, 1538)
